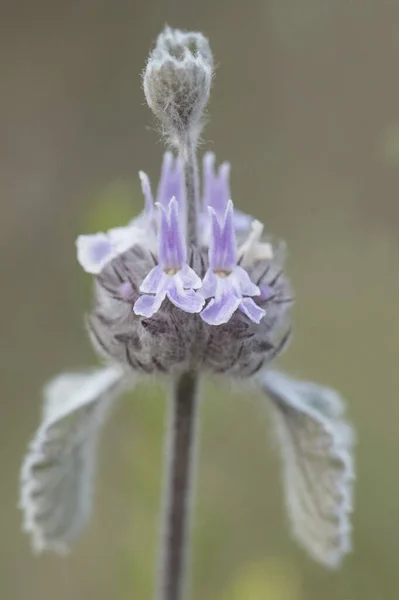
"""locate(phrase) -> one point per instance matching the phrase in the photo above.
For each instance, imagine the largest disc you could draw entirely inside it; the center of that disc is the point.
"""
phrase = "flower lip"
(95, 251)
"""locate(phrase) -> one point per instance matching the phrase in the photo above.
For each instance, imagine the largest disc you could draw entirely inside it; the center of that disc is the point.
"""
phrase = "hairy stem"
(179, 475)
(188, 155)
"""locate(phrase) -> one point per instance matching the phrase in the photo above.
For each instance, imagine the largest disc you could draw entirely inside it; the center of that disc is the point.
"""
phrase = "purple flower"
(171, 184)
(95, 251)
(216, 192)
(228, 284)
(171, 278)
(216, 186)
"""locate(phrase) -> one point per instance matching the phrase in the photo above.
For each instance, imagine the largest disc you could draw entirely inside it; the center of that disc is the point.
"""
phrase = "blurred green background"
(305, 105)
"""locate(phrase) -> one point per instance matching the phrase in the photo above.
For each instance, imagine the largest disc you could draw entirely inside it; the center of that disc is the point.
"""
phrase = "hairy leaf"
(58, 470)
(316, 448)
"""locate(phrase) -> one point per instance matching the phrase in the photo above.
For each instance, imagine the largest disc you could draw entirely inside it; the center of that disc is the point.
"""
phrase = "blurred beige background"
(306, 107)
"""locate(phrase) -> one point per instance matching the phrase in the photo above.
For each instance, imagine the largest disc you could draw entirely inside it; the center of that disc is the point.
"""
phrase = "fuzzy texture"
(316, 446)
(219, 306)
(172, 340)
(177, 81)
(58, 471)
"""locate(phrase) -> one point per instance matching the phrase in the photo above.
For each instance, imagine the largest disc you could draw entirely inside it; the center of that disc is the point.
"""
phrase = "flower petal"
(172, 249)
(171, 182)
(146, 305)
(208, 170)
(253, 249)
(94, 251)
(252, 310)
(123, 238)
(221, 309)
(241, 220)
(187, 300)
(216, 194)
(209, 284)
(146, 187)
(153, 281)
(228, 241)
(243, 284)
(216, 185)
(189, 277)
(222, 246)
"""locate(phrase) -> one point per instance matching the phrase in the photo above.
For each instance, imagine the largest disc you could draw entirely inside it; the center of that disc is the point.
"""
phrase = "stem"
(188, 155)
(179, 475)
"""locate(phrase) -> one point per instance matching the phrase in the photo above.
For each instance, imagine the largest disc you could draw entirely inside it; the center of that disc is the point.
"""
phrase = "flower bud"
(177, 81)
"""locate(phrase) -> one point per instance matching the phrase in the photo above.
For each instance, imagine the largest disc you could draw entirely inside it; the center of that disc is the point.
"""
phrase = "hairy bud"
(177, 80)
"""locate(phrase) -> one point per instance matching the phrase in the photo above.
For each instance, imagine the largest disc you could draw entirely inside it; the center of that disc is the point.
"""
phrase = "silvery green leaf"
(315, 443)
(58, 470)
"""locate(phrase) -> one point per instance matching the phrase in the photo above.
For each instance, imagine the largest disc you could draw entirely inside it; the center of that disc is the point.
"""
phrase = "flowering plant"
(189, 287)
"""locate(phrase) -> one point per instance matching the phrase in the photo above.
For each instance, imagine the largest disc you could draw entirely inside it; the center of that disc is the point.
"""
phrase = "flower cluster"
(164, 305)
(225, 287)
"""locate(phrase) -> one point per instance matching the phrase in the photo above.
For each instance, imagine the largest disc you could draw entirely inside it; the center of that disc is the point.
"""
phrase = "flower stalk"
(181, 437)
(188, 155)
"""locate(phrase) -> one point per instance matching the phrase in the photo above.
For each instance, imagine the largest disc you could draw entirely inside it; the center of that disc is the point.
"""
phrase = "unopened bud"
(177, 80)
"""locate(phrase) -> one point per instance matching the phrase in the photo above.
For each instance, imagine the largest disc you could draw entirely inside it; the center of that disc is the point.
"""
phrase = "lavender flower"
(171, 185)
(216, 192)
(171, 277)
(228, 284)
(184, 289)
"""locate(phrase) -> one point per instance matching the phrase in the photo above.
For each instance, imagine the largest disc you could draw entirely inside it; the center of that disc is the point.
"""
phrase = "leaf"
(316, 447)
(58, 471)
